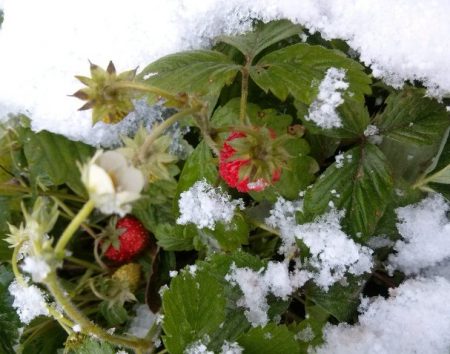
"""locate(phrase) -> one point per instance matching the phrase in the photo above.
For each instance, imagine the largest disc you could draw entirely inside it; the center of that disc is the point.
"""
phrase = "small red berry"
(230, 167)
(132, 240)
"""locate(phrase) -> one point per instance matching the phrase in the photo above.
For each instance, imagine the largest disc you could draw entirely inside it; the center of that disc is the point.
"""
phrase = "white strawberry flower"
(112, 183)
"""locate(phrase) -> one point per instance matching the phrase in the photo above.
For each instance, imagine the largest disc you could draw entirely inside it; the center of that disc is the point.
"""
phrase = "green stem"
(15, 268)
(12, 189)
(84, 263)
(72, 227)
(161, 128)
(244, 91)
(147, 88)
(86, 325)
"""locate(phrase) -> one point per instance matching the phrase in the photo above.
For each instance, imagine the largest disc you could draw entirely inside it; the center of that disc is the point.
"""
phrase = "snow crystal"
(371, 130)
(231, 348)
(76, 328)
(257, 285)
(142, 322)
(282, 216)
(425, 230)
(29, 301)
(204, 206)
(197, 348)
(339, 158)
(414, 319)
(323, 110)
(305, 335)
(333, 253)
(37, 267)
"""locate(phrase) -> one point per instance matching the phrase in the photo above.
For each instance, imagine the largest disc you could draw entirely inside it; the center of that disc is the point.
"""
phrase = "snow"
(142, 322)
(333, 253)
(323, 110)
(257, 285)
(37, 267)
(414, 319)
(197, 348)
(425, 230)
(231, 348)
(29, 301)
(399, 40)
(204, 206)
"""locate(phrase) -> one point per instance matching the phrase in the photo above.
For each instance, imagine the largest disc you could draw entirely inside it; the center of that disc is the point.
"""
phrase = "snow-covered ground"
(45, 43)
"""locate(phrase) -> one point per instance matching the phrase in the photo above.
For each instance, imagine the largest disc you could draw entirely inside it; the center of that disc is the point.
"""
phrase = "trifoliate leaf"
(412, 118)
(298, 69)
(194, 309)
(360, 183)
(252, 43)
(200, 72)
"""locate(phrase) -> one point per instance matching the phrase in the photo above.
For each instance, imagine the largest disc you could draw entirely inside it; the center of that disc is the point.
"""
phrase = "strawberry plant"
(275, 214)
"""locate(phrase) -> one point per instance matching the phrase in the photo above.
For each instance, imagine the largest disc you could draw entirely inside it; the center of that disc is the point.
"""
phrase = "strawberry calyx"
(251, 158)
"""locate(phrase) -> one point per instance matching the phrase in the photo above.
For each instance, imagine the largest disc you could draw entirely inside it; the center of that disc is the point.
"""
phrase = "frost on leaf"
(257, 285)
(29, 301)
(333, 253)
(323, 110)
(204, 206)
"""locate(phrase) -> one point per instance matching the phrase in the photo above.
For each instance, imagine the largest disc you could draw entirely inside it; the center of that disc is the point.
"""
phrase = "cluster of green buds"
(105, 93)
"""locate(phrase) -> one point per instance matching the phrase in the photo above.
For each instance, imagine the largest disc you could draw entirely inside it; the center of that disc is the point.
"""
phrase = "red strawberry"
(133, 239)
(247, 159)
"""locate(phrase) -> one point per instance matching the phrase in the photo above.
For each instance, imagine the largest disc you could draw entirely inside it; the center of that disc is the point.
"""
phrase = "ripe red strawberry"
(249, 161)
(133, 239)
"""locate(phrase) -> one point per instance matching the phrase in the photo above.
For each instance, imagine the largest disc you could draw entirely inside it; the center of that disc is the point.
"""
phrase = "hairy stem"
(244, 91)
(147, 88)
(161, 128)
(15, 268)
(86, 325)
(72, 227)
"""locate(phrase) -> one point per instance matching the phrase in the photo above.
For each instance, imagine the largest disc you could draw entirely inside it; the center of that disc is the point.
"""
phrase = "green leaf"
(308, 332)
(156, 205)
(298, 69)
(410, 117)
(253, 43)
(194, 306)
(230, 236)
(340, 301)
(269, 340)
(9, 320)
(199, 165)
(114, 315)
(47, 337)
(93, 346)
(55, 157)
(175, 237)
(362, 187)
(228, 116)
(235, 322)
(195, 72)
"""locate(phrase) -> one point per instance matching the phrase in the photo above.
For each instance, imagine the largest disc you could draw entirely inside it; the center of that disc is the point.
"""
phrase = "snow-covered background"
(45, 43)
